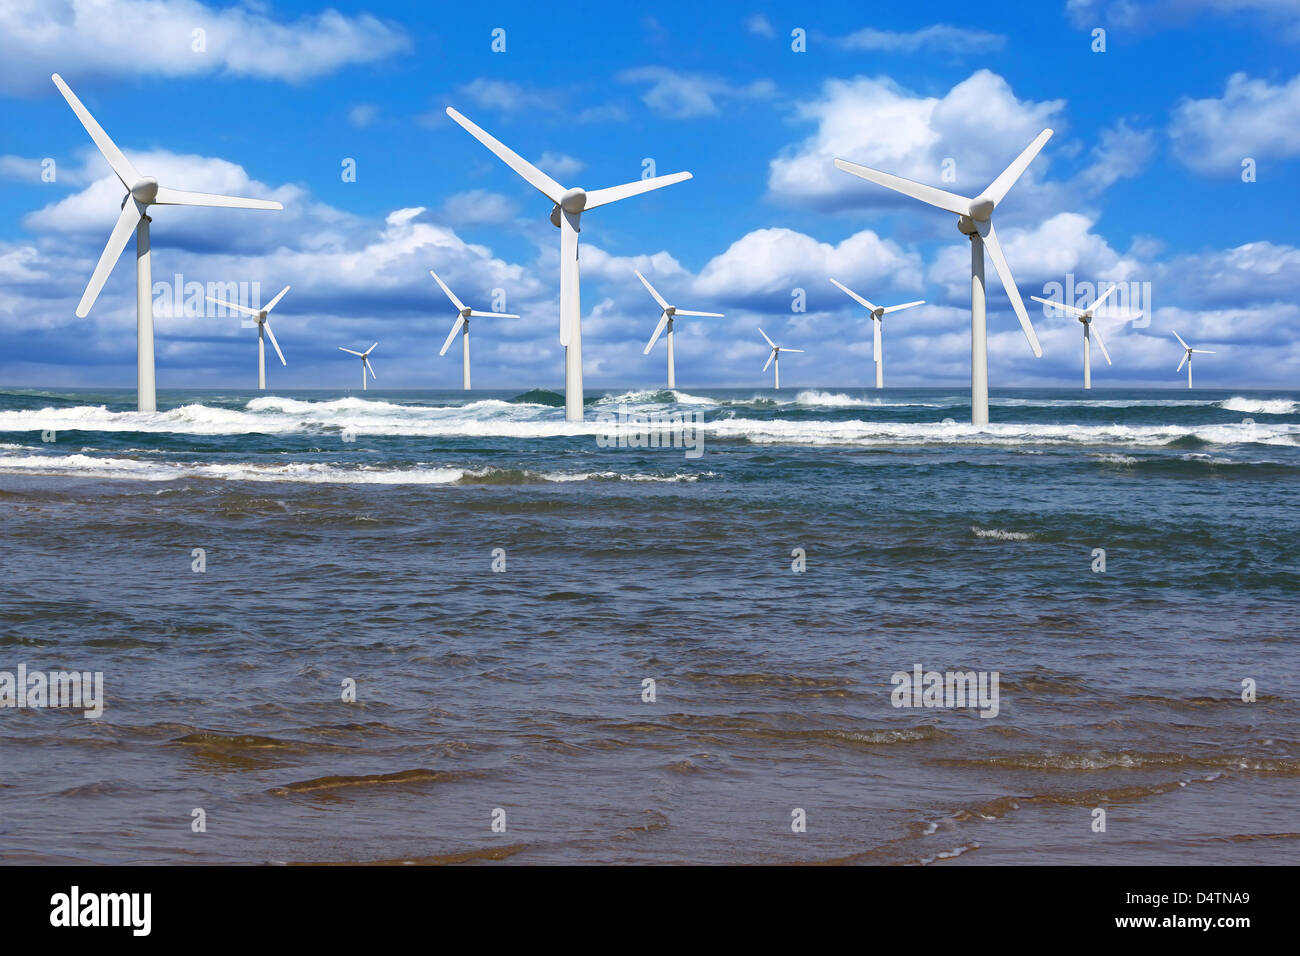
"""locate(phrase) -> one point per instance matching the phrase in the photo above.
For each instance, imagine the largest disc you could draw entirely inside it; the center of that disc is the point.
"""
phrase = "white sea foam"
(1261, 406)
(1000, 535)
(115, 467)
(496, 419)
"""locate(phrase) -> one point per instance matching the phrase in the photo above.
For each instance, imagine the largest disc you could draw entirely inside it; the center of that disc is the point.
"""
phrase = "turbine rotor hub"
(574, 200)
(145, 191)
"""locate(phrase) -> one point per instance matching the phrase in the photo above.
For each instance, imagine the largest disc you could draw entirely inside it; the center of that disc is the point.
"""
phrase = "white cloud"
(939, 37)
(156, 37)
(1278, 17)
(765, 265)
(760, 25)
(558, 165)
(478, 207)
(363, 114)
(1253, 119)
(680, 95)
(980, 124)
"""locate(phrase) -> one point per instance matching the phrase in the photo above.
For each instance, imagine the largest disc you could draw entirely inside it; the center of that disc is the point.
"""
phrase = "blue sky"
(1142, 184)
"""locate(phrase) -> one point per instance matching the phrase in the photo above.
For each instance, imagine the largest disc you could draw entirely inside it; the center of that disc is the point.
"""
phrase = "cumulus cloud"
(157, 38)
(759, 25)
(764, 266)
(979, 124)
(1253, 118)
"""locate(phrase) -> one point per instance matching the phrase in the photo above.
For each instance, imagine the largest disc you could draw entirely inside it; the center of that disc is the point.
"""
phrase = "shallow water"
(353, 538)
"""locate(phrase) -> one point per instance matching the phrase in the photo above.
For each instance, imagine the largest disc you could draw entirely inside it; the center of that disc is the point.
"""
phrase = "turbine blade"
(599, 197)
(1100, 344)
(1182, 363)
(235, 307)
(271, 336)
(460, 306)
(1180, 340)
(1205, 351)
(369, 367)
(1058, 304)
(451, 336)
(651, 289)
(179, 197)
(1096, 303)
(663, 324)
(905, 305)
(784, 349)
(770, 355)
(710, 315)
(371, 349)
(1009, 283)
(1000, 186)
(126, 223)
(350, 351)
(121, 165)
(272, 304)
(543, 183)
(769, 341)
(853, 295)
(474, 313)
(570, 304)
(927, 194)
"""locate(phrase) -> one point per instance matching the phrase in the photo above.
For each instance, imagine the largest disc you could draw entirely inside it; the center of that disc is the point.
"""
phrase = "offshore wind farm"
(654, 581)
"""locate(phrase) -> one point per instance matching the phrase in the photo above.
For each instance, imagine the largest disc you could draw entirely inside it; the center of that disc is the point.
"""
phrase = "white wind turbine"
(462, 323)
(775, 356)
(974, 220)
(263, 330)
(666, 323)
(1187, 357)
(877, 321)
(142, 192)
(1086, 316)
(565, 214)
(365, 363)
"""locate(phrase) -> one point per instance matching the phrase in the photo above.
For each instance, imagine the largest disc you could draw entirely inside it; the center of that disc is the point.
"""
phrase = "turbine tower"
(1187, 357)
(365, 363)
(974, 219)
(775, 356)
(569, 205)
(141, 193)
(461, 324)
(666, 323)
(263, 330)
(877, 321)
(1086, 316)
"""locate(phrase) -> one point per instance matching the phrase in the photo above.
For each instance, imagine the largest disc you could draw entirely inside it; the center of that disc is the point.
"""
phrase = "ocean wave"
(354, 418)
(999, 535)
(1260, 406)
(91, 466)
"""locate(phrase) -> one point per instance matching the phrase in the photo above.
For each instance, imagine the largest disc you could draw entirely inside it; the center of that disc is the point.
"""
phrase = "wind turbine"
(263, 330)
(877, 321)
(569, 204)
(666, 322)
(775, 356)
(1187, 357)
(974, 220)
(365, 363)
(141, 193)
(462, 323)
(1086, 316)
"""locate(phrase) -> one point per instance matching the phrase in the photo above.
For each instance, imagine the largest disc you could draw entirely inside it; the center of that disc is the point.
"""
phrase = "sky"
(1172, 171)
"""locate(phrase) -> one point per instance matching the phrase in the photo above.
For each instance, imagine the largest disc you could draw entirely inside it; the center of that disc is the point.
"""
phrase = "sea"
(710, 626)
